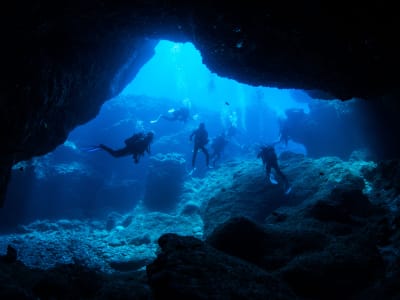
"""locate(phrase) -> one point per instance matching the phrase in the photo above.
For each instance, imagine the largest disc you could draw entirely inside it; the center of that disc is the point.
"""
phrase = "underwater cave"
(84, 218)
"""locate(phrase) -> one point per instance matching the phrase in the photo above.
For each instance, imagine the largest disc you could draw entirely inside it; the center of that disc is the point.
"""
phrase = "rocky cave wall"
(61, 60)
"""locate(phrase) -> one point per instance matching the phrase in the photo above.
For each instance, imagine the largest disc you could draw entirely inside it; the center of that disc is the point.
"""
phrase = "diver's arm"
(274, 143)
(191, 136)
(168, 117)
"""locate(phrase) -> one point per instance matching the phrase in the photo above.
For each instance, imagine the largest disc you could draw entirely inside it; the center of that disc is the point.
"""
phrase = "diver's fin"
(191, 172)
(272, 179)
(91, 148)
(156, 120)
(289, 189)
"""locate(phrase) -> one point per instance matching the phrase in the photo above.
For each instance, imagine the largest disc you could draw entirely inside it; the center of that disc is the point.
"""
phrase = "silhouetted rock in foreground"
(188, 268)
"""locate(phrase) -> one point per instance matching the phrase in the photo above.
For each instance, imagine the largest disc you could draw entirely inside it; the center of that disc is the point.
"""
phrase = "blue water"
(73, 182)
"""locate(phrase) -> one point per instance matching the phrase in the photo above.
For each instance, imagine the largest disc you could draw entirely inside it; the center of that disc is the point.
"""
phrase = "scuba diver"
(270, 160)
(231, 123)
(231, 131)
(180, 114)
(218, 145)
(200, 141)
(136, 146)
(284, 131)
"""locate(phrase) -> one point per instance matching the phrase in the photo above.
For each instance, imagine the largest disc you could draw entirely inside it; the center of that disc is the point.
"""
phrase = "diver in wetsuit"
(218, 145)
(181, 114)
(136, 146)
(200, 141)
(270, 160)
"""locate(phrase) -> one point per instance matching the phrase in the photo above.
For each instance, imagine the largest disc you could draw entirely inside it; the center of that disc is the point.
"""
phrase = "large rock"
(269, 247)
(187, 268)
(343, 269)
(164, 181)
(346, 206)
(239, 188)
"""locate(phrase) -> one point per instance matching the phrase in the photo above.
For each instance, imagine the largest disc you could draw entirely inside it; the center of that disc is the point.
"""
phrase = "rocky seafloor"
(231, 236)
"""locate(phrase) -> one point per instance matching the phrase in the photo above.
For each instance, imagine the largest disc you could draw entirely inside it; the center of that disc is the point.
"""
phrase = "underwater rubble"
(232, 236)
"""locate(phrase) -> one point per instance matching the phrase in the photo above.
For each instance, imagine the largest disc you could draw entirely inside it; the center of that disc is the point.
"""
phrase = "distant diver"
(284, 131)
(200, 141)
(270, 160)
(218, 145)
(91, 148)
(231, 131)
(136, 146)
(181, 114)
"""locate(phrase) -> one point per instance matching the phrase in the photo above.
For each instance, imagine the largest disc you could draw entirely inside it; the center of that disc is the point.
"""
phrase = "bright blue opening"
(175, 76)
(177, 72)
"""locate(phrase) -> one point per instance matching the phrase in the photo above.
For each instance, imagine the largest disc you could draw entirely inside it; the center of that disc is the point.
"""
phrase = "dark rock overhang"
(62, 60)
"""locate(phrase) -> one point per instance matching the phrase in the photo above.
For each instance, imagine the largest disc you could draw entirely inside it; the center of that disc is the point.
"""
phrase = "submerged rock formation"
(335, 236)
(240, 188)
(164, 182)
(187, 268)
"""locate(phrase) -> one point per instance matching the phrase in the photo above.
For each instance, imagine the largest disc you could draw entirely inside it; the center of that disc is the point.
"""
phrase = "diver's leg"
(121, 152)
(283, 178)
(156, 120)
(217, 157)
(206, 154)
(268, 171)
(287, 186)
(195, 150)
(115, 153)
(167, 117)
(278, 171)
(214, 157)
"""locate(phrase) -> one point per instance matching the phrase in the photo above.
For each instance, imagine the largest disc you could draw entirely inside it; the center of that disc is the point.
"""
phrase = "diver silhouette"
(270, 161)
(181, 114)
(218, 145)
(284, 131)
(200, 141)
(136, 146)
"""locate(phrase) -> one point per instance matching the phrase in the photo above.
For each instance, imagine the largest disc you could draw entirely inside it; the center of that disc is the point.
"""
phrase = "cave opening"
(75, 182)
(79, 185)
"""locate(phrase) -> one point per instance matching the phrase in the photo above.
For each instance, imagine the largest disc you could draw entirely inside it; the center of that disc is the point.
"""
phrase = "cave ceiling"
(62, 59)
